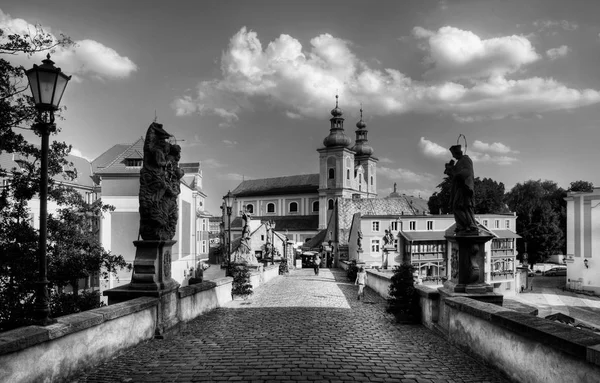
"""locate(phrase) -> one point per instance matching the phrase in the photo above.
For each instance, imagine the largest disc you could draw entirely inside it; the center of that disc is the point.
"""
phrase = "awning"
(424, 235)
(505, 234)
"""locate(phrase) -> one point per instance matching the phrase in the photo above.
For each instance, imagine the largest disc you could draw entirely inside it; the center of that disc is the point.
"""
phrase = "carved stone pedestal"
(467, 273)
(152, 278)
(385, 261)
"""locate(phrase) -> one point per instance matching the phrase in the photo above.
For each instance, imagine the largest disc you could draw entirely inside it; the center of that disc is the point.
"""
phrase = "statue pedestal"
(152, 278)
(387, 249)
(359, 251)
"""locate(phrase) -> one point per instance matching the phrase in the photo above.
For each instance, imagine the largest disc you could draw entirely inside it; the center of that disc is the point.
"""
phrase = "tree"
(541, 212)
(488, 197)
(581, 186)
(73, 250)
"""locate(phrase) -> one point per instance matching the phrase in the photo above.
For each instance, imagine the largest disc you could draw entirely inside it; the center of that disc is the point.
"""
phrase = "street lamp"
(47, 84)
(228, 199)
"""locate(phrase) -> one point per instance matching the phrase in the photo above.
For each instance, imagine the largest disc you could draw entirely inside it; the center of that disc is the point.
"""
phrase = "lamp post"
(228, 198)
(47, 84)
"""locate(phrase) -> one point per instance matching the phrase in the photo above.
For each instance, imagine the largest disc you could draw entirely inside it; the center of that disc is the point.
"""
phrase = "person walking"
(317, 263)
(361, 281)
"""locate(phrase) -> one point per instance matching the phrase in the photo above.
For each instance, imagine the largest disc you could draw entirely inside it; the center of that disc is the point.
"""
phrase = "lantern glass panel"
(47, 81)
(33, 81)
(61, 85)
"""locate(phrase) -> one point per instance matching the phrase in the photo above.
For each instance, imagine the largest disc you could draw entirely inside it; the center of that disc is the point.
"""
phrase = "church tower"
(367, 187)
(336, 167)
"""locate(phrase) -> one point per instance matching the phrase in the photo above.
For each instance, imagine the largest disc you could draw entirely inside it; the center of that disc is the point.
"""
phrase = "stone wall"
(78, 341)
(379, 282)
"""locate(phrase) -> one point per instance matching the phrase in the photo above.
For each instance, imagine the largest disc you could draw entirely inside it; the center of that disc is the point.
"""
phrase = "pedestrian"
(361, 280)
(317, 263)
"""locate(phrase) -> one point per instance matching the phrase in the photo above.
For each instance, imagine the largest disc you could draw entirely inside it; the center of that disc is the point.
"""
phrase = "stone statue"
(245, 241)
(388, 238)
(359, 239)
(462, 180)
(159, 185)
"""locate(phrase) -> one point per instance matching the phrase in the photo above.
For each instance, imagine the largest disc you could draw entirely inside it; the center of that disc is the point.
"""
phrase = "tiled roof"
(304, 183)
(108, 156)
(117, 164)
(505, 234)
(79, 174)
(283, 223)
(367, 206)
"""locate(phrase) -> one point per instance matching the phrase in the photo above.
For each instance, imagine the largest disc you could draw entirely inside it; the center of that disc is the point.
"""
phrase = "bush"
(241, 281)
(66, 303)
(403, 302)
(352, 271)
(283, 267)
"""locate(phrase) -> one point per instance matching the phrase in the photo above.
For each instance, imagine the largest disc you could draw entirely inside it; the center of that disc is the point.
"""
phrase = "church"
(305, 207)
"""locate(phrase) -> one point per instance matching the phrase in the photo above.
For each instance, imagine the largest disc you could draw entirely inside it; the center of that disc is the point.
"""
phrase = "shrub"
(241, 281)
(352, 271)
(403, 302)
(66, 303)
(283, 267)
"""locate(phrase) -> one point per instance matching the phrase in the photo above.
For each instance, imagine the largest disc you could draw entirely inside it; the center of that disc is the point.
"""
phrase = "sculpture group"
(159, 185)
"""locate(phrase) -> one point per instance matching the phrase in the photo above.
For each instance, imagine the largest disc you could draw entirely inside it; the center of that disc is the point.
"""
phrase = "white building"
(583, 240)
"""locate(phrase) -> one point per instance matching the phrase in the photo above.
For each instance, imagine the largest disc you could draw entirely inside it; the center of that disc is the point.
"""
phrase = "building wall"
(281, 205)
(583, 241)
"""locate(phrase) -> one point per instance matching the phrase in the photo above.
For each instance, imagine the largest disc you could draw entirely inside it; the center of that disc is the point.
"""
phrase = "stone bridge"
(296, 328)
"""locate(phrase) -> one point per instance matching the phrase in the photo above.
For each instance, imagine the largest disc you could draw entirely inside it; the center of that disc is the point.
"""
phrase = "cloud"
(403, 175)
(431, 149)
(555, 53)
(543, 25)
(78, 153)
(496, 147)
(466, 79)
(459, 54)
(385, 160)
(230, 144)
(86, 58)
(293, 116)
(212, 163)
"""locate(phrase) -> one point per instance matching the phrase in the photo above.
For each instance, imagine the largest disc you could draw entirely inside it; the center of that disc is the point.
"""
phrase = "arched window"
(330, 204)
(348, 174)
(250, 208)
(315, 206)
(331, 174)
(371, 180)
(293, 207)
(270, 207)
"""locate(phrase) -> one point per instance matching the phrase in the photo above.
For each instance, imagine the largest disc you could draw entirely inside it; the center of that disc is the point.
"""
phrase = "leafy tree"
(541, 212)
(581, 186)
(403, 301)
(488, 197)
(73, 249)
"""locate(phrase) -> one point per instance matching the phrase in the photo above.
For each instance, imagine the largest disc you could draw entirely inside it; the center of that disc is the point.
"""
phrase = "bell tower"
(364, 157)
(336, 166)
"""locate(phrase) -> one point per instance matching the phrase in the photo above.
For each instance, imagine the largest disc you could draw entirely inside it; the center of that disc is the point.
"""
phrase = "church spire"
(361, 147)
(337, 137)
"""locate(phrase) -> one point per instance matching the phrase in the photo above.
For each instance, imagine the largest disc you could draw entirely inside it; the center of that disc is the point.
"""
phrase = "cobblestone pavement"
(297, 328)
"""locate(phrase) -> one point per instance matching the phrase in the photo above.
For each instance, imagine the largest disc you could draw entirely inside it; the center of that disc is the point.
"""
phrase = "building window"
(203, 225)
(134, 162)
(348, 174)
(497, 224)
(293, 207)
(270, 207)
(412, 225)
(262, 237)
(484, 222)
(330, 204)
(429, 225)
(315, 206)
(374, 246)
(331, 174)
(204, 246)
(507, 223)
(375, 226)
(371, 180)
(250, 208)
(396, 244)
(394, 226)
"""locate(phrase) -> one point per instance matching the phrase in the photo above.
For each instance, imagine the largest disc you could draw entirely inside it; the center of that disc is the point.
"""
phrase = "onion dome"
(336, 137)
(362, 148)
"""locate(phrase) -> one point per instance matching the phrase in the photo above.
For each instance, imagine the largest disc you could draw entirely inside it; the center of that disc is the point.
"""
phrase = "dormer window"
(134, 162)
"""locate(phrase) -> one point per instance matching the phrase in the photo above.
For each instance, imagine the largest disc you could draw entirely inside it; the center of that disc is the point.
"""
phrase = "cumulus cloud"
(543, 25)
(496, 147)
(431, 149)
(459, 54)
(230, 144)
(466, 79)
(403, 175)
(385, 160)
(293, 116)
(86, 58)
(496, 152)
(78, 153)
(555, 53)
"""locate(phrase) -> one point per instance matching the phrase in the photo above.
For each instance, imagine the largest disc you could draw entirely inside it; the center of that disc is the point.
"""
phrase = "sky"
(247, 87)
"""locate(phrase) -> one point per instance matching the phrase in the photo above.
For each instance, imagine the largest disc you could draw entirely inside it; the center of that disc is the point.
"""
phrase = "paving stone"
(297, 328)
